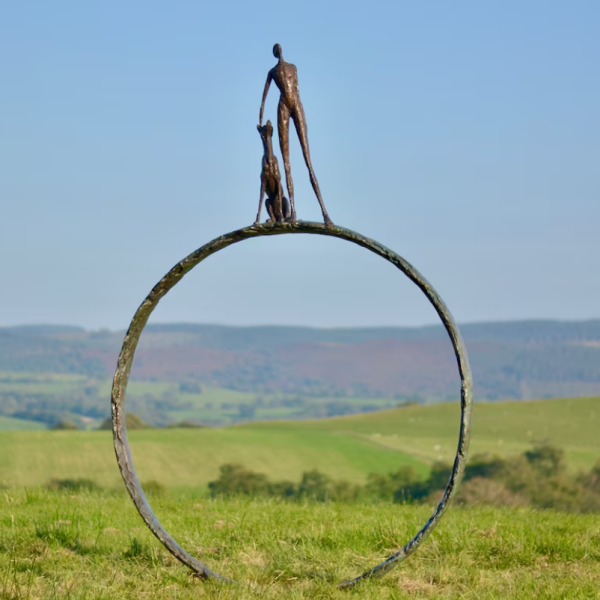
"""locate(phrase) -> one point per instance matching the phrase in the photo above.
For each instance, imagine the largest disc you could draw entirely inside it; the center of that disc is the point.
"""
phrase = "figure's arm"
(262, 104)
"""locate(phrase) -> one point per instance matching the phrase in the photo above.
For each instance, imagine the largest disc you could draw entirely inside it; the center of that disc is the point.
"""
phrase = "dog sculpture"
(277, 204)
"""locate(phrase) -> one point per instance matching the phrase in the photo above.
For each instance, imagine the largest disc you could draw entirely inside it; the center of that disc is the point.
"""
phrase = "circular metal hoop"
(140, 319)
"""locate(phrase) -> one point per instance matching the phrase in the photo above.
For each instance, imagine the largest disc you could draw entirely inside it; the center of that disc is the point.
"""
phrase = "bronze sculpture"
(285, 76)
(121, 444)
(277, 204)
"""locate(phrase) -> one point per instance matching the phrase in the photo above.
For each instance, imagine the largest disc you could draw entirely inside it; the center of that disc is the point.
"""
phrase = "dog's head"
(266, 131)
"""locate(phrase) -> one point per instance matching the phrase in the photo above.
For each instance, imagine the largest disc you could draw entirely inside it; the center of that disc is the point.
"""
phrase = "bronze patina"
(175, 275)
(282, 221)
(285, 76)
(277, 204)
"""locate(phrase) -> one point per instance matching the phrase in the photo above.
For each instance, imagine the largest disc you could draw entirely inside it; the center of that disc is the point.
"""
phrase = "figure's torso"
(285, 76)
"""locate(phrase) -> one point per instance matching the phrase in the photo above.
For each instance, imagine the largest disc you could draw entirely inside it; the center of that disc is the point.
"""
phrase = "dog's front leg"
(260, 201)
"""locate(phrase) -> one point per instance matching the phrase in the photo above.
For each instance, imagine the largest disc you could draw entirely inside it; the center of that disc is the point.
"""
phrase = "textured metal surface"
(285, 77)
(270, 180)
(140, 319)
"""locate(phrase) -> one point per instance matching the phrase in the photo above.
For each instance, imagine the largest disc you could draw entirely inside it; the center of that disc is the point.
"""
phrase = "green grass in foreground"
(85, 545)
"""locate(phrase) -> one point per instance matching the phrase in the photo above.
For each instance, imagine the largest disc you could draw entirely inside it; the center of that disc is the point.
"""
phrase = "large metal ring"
(140, 319)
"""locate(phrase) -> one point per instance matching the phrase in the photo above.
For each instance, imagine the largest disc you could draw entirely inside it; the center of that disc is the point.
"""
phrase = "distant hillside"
(348, 447)
(525, 359)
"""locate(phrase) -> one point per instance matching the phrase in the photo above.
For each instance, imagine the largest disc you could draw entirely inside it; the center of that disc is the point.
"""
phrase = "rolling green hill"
(343, 447)
(431, 432)
(190, 458)
(10, 424)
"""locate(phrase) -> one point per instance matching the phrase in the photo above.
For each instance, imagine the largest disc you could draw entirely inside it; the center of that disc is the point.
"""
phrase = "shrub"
(439, 475)
(536, 478)
(65, 426)
(235, 479)
(591, 480)
(546, 459)
(131, 422)
(480, 490)
(484, 466)
(282, 489)
(315, 485)
(399, 485)
(344, 491)
(73, 485)
(187, 425)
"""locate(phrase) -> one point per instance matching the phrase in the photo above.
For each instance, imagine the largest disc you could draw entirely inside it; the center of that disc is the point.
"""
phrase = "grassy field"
(209, 405)
(504, 428)
(344, 448)
(10, 424)
(217, 406)
(94, 545)
(40, 383)
(81, 546)
(189, 458)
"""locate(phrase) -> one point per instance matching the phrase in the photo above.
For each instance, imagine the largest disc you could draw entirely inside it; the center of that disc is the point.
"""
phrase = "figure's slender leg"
(277, 203)
(260, 202)
(300, 124)
(283, 129)
(280, 202)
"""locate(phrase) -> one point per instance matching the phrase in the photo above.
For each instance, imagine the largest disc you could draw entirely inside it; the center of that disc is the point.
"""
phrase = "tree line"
(539, 478)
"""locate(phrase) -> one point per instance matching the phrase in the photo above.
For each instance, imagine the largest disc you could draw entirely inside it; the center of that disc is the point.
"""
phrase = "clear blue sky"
(464, 135)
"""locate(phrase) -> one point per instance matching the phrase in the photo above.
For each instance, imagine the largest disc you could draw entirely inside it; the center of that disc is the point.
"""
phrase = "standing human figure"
(285, 76)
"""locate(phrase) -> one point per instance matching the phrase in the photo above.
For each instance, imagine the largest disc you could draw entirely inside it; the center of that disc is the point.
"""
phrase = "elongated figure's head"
(277, 51)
